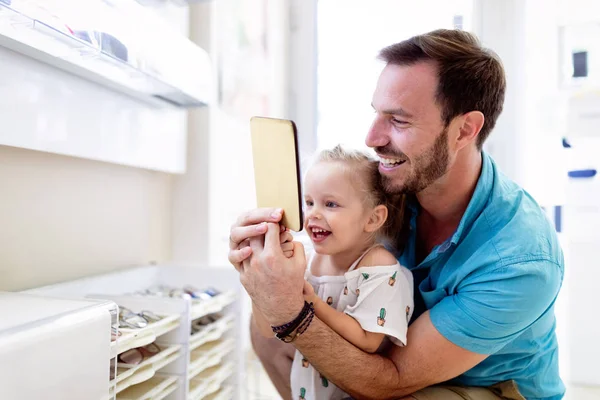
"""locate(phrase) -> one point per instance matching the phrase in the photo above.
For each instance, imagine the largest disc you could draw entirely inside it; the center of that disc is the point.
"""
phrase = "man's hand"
(273, 281)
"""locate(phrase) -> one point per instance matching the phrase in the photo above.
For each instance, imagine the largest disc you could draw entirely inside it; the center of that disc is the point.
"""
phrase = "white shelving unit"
(131, 338)
(96, 40)
(156, 388)
(53, 348)
(203, 365)
(210, 380)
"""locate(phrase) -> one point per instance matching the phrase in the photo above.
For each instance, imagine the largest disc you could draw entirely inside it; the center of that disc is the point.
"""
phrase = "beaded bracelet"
(304, 326)
(290, 336)
(286, 329)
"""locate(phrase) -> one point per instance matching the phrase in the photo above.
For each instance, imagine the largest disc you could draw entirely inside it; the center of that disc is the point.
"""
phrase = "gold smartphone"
(277, 168)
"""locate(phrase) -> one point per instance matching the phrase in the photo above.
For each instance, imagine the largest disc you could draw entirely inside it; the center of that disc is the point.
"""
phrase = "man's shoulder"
(515, 228)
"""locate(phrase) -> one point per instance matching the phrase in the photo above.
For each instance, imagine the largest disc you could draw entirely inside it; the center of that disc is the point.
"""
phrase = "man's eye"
(400, 122)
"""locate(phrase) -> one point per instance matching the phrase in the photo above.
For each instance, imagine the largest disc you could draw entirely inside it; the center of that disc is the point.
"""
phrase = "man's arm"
(261, 322)
(489, 310)
(428, 359)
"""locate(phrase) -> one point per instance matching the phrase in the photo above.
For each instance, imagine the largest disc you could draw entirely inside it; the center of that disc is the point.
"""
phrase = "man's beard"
(427, 167)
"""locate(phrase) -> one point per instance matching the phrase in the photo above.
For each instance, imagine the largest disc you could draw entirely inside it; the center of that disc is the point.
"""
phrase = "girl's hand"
(309, 292)
(250, 225)
(287, 243)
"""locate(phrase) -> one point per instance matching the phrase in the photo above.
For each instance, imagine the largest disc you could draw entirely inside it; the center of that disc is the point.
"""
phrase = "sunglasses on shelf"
(131, 320)
(139, 354)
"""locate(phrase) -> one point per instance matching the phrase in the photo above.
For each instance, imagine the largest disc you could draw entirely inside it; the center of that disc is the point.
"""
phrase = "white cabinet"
(54, 349)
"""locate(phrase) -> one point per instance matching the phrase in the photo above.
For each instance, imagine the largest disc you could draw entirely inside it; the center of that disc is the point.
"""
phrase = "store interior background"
(315, 62)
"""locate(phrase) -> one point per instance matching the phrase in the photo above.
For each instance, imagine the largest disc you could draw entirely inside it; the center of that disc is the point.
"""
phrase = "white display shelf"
(142, 374)
(156, 388)
(129, 375)
(225, 393)
(131, 338)
(167, 392)
(212, 331)
(210, 380)
(95, 40)
(209, 355)
(114, 286)
(200, 308)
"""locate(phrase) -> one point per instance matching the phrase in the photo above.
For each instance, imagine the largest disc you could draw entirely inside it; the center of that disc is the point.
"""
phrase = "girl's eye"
(330, 204)
(309, 203)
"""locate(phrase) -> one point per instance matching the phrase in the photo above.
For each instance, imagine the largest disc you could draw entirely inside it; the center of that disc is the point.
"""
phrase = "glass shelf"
(110, 53)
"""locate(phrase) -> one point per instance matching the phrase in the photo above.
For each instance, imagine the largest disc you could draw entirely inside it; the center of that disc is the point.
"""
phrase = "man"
(487, 264)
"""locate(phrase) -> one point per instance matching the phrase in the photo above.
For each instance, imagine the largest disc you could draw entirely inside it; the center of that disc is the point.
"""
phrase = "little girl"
(357, 287)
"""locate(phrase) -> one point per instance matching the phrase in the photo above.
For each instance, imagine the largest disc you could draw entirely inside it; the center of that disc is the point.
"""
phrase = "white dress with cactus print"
(380, 298)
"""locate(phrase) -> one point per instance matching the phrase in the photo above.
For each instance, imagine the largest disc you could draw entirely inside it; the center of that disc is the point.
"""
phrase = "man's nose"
(378, 135)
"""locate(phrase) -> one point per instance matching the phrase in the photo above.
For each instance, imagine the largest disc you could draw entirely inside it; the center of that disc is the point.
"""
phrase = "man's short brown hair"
(471, 77)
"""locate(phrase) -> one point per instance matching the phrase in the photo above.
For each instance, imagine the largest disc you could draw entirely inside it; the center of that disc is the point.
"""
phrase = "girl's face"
(335, 213)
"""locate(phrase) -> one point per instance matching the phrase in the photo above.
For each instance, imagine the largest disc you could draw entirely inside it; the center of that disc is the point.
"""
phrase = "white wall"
(526, 142)
(64, 218)
(219, 183)
(61, 217)
(349, 43)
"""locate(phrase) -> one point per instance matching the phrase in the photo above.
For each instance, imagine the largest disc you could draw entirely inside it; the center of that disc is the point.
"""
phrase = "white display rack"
(96, 40)
(53, 348)
(131, 338)
(209, 355)
(225, 393)
(215, 305)
(156, 388)
(213, 331)
(210, 380)
(129, 375)
(188, 366)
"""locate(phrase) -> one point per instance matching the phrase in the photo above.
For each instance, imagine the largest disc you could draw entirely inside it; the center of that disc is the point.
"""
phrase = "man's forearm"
(360, 374)
(259, 319)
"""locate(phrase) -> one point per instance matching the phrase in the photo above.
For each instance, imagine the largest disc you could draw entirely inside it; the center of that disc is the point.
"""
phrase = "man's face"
(408, 132)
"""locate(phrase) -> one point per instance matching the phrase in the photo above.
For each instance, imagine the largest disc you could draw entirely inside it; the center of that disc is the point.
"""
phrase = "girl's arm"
(343, 324)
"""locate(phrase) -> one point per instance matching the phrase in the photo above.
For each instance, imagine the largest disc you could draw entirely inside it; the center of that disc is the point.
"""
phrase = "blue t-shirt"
(491, 287)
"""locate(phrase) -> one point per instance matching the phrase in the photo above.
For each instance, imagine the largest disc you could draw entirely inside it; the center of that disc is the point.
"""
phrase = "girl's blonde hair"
(367, 168)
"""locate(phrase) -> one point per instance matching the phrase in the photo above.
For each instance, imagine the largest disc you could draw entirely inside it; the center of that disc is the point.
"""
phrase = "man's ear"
(470, 126)
(377, 218)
